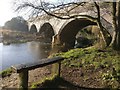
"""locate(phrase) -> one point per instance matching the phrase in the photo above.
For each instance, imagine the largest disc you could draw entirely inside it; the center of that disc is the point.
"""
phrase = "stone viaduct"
(63, 31)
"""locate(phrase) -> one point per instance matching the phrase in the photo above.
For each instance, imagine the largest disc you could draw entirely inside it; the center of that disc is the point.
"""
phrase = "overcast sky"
(7, 12)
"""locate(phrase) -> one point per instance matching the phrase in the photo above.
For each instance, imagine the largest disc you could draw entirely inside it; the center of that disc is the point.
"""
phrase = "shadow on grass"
(61, 84)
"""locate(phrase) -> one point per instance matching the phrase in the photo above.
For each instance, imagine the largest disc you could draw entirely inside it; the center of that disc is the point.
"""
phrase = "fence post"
(23, 76)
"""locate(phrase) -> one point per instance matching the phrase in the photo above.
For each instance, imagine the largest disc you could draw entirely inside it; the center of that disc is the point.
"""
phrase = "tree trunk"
(100, 25)
(118, 29)
(113, 42)
(116, 24)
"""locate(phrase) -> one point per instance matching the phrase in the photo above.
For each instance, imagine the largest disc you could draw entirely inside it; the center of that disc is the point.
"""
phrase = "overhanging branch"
(41, 8)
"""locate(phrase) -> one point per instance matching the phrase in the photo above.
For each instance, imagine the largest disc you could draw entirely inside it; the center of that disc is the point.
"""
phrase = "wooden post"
(22, 69)
(23, 80)
(56, 68)
(59, 68)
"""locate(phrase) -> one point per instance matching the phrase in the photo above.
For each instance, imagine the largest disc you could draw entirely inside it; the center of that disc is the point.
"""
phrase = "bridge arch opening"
(33, 29)
(68, 32)
(46, 31)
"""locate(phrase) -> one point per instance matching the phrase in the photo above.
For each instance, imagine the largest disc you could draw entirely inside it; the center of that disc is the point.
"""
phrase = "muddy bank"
(35, 75)
(8, 37)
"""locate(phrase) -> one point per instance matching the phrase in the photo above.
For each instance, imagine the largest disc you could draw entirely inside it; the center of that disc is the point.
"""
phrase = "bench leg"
(56, 68)
(59, 68)
(23, 80)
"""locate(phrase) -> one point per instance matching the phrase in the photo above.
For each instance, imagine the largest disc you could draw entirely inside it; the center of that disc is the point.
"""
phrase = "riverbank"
(83, 69)
(91, 68)
(12, 81)
(8, 37)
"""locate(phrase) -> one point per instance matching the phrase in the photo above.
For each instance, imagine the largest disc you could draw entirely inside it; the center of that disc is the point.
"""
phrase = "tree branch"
(45, 10)
(103, 34)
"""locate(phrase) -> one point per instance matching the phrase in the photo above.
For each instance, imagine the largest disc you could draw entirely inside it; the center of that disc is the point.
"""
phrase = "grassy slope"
(107, 61)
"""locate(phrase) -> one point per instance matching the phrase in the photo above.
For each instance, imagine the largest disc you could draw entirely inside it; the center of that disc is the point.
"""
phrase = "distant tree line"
(17, 23)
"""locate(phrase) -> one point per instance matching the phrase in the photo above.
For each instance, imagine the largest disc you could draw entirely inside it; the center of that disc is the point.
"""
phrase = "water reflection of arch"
(69, 30)
(47, 30)
(33, 28)
(38, 49)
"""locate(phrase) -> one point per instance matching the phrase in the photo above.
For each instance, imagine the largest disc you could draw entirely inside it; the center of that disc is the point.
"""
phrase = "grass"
(6, 72)
(105, 58)
(56, 82)
(44, 80)
(100, 59)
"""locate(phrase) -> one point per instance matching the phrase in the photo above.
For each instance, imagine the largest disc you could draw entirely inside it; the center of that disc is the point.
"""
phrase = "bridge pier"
(64, 31)
(59, 45)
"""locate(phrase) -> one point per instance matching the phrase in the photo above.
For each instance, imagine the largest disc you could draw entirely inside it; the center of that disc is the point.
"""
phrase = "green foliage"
(99, 58)
(44, 80)
(85, 38)
(17, 23)
(6, 72)
(107, 59)
(76, 53)
(111, 78)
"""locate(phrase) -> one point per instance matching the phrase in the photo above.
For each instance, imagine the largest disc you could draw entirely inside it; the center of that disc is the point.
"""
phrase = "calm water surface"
(22, 53)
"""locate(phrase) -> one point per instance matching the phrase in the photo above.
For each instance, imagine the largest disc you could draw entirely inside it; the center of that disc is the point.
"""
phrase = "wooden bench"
(23, 69)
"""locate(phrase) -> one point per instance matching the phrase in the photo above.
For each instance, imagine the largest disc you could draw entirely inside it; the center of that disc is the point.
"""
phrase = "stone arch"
(67, 33)
(33, 28)
(46, 30)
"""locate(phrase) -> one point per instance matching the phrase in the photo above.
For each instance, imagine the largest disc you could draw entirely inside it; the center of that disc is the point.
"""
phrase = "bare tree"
(42, 7)
(99, 23)
(118, 33)
(116, 24)
(59, 11)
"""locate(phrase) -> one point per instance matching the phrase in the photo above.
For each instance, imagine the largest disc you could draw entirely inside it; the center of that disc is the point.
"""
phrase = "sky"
(7, 12)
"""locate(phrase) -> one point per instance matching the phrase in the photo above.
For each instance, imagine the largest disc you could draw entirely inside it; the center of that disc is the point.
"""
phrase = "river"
(22, 53)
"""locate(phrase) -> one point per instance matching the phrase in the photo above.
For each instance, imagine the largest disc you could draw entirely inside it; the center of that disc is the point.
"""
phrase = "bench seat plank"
(37, 64)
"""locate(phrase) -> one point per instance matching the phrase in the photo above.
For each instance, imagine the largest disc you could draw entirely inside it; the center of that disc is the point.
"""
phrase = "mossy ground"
(84, 68)
(6, 72)
(103, 63)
